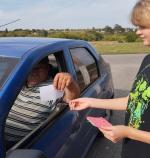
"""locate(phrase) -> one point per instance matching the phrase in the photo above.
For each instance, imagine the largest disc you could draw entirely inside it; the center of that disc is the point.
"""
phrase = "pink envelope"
(98, 122)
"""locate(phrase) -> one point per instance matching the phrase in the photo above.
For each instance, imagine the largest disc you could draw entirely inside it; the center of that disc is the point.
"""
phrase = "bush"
(131, 37)
(82, 35)
(115, 37)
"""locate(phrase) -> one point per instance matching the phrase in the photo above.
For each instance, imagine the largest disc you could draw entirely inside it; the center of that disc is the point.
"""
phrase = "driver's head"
(39, 73)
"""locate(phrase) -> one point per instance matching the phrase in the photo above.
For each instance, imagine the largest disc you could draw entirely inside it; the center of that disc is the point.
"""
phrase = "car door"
(85, 68)
(53, 132)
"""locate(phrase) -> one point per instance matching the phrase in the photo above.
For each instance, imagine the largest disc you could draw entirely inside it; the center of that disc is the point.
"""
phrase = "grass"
(113, 47)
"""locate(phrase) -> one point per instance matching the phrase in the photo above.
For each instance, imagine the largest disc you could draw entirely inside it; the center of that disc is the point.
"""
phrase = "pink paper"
(98, 122)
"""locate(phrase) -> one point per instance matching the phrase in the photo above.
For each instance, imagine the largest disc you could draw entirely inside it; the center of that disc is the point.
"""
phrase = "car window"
(7, 64)
(29, 112)
(85, 66)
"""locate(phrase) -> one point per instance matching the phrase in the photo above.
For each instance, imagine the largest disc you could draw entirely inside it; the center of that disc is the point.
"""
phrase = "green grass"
(106, 47)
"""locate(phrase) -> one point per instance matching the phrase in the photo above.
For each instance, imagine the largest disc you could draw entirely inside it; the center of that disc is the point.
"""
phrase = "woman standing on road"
(136, 131)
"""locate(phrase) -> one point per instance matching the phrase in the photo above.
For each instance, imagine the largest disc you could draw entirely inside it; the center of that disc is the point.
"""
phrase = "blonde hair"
(140, 15)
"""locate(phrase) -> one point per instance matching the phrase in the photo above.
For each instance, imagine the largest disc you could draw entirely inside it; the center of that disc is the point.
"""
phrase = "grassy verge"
(106, 47)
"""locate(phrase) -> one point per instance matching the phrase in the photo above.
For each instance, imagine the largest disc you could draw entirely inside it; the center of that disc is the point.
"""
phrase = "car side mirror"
(25, 153)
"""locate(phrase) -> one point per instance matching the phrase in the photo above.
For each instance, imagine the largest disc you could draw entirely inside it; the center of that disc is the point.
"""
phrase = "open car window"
(7, 64)
(29, 114)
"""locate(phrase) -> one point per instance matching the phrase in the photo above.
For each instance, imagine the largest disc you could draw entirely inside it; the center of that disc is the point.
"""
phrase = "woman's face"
(144, 34)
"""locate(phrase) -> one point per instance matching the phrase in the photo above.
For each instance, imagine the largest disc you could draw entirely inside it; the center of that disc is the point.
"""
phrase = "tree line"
(116, 33)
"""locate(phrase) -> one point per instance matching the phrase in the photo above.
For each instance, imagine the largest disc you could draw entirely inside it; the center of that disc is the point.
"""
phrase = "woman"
(136, 131)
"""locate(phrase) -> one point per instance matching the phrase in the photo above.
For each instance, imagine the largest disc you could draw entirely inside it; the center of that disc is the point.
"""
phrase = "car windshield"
(6, 66)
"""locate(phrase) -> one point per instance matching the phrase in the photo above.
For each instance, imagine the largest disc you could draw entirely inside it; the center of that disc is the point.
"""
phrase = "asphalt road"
(124, 69)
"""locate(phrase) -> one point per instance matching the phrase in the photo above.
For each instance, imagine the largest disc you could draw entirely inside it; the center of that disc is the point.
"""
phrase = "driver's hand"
(62, 80)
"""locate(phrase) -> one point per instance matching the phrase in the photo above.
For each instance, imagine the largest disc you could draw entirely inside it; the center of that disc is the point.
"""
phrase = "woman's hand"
(115, 133)
(80, 103)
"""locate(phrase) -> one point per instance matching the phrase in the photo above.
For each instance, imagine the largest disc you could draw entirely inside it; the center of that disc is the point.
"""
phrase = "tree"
(118, 29)
(108, 29)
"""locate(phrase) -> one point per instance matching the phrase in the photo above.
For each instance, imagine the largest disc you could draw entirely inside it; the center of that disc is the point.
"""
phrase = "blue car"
(65, 133)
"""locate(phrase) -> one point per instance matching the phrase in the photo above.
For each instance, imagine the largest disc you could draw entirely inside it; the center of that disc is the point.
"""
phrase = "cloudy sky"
(46, 14)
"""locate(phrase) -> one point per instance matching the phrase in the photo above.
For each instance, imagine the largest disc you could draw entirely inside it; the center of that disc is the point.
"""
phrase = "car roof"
(18, 46)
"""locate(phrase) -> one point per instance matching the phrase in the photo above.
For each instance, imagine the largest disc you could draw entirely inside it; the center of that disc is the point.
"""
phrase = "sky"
(61, 14)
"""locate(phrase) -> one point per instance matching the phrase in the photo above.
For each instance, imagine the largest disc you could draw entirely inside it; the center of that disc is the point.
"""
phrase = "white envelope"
(50, 93)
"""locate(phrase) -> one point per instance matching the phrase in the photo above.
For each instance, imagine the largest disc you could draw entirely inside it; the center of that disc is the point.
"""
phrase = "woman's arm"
(113, 104)
(118, 132)
(138, 135)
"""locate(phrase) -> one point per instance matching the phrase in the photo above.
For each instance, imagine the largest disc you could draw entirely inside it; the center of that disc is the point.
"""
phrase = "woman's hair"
(140, 15)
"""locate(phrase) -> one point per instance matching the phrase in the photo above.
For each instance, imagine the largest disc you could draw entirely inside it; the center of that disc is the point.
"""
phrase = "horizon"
(65, 29)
